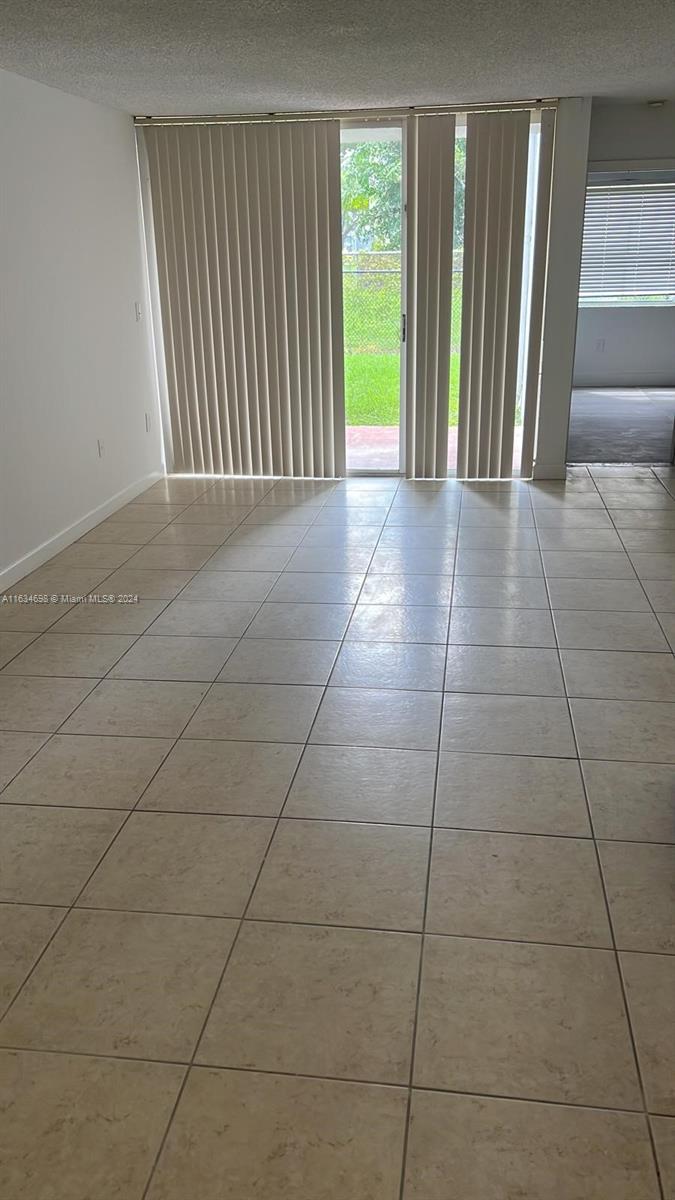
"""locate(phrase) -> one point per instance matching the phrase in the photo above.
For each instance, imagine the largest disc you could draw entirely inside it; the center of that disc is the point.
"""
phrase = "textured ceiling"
(215, 56)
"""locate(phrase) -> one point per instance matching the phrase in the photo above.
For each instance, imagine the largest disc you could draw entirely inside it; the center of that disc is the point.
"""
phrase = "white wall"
(75, 365)
(625, 347)
(628, 347)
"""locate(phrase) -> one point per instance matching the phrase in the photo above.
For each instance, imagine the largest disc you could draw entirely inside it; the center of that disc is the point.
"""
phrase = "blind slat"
(629, 241)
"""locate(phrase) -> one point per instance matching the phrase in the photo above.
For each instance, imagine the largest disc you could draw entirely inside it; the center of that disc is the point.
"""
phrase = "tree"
(371, 195)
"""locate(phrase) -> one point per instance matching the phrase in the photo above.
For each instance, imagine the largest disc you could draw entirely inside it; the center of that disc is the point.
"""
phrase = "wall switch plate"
(138, 310)
(148, 422)
(600, 345)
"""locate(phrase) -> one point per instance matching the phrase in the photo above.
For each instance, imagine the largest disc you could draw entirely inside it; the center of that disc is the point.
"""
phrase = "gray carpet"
(631, 425)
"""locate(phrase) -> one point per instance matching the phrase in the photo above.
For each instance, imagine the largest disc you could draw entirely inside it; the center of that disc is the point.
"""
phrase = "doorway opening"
(371, 168)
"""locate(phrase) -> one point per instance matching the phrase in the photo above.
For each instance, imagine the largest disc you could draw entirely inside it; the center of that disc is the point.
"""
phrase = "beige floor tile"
(177, 558)
(81, 655)
(399, 623)
(267, 537)
(407, 589)
(390, 665)
(511, 793)
(29, 618)
(402, 720)
(667, 622)
(410, 559)
(510, 670)
(15, 751)
(75, 1128)
(507, 725)
(535, 1022)
(157, 657)
(661, 594)
(654, 566)
(237, 1133)
(310, 621)
(137, 707)
(522, 563)
(159, 584)
(568, 564)
(61, 581)
(182, 534)
(133, 984)
(479, 1148)
(181, 863)
(230, 585)
(519, 886)
(348, 560)
(270, 660)
(47, 854)
(334, 873)
(609, 631)
(631, 801)
(172, 490)
(485, 537)
(250, 558)
(107, 618)
(142, 512)
(346, 783)
(35, 705)
(563, 538)
(86, 554)
(246, 778)
(664, 1138)
(640, 883)
(619, 675)
(207, 618)
(603, 595)
(11, 645)
(484, 591)
(500, 627)
(206, 514)
(342, 537)
(130, 533)
(571, 518)
(25, 930)
(650, 990)
(625, 729)
(256, 712)
(316, 1001)
(88, 772)
(316, 588)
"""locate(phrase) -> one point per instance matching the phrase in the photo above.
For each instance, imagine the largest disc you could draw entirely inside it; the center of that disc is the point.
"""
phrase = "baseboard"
(35, 558)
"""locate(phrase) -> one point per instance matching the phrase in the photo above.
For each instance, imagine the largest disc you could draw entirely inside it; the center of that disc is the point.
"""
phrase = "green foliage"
(371, 195)
(372, 389)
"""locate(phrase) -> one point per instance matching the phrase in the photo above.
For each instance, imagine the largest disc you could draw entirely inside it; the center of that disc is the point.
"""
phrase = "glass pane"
(371, 160)
(456, 309)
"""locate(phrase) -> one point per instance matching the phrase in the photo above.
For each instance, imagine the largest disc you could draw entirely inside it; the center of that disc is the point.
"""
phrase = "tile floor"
(339, 864)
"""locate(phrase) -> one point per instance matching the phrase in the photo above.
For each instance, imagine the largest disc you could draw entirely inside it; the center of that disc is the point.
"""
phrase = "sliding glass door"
(371, 167)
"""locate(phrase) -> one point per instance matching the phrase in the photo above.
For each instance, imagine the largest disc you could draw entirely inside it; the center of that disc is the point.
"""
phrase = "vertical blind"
(496, 183)
(430, 190)
(534, 330)
(629, 243)
(247, 236)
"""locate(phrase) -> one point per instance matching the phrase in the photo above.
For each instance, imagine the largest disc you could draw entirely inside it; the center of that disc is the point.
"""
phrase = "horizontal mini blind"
(430, 170)
(247, 234)
(629, 242)
(496, 183)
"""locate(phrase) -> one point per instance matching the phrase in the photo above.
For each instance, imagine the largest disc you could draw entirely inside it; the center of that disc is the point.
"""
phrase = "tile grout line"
(617, 960)
(420, 964)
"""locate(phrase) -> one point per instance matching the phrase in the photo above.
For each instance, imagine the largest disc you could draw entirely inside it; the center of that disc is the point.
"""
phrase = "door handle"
(403, 326)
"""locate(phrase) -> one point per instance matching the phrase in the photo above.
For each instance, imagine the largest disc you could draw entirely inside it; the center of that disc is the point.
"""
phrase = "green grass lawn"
(372, 389)
(372, 314)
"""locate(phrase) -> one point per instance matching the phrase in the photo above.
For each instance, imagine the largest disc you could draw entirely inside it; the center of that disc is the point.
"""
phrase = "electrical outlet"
(148, 422)
(100, 445)
(138, 310)
(600, 346)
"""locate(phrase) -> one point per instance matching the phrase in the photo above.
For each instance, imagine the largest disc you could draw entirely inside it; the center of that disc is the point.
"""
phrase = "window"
(628, 253)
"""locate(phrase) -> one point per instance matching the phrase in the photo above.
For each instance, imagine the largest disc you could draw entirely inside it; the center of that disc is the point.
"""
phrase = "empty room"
(337, 601)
